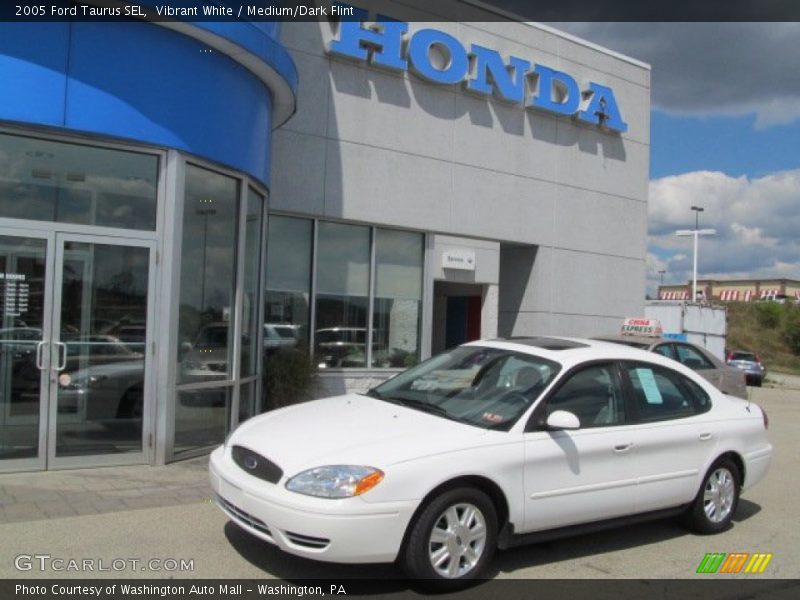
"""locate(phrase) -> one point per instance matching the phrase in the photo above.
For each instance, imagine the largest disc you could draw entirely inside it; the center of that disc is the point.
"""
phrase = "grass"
(759, 327)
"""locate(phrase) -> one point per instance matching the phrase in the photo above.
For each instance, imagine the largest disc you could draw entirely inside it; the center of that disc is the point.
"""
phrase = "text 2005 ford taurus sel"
(489, 445)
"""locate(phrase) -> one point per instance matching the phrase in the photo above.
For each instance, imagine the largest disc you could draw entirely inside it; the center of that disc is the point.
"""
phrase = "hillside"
(772, 330)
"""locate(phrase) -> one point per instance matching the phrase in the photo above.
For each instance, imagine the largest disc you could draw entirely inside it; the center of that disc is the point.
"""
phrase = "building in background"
(179, 201)
(420, 201)
(734, 290)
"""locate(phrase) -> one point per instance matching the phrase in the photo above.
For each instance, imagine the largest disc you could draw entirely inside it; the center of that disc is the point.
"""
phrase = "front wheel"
(715, 504)
(452, 540)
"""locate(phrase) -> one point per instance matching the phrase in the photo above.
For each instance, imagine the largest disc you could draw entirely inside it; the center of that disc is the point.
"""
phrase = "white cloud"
(757, 223)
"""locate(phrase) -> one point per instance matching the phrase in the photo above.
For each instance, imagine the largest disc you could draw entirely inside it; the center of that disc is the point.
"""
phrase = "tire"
(715, 504)
(439, 552)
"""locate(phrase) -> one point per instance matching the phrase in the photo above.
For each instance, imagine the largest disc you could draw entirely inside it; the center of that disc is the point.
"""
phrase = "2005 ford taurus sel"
(488, 445)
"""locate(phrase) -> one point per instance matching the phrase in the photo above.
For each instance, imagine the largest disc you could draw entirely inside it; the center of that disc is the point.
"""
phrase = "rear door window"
(660, 394)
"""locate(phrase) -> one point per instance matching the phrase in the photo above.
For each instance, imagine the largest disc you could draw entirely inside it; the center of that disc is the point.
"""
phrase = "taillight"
(758, 360)
(765, 417)
(730, 357)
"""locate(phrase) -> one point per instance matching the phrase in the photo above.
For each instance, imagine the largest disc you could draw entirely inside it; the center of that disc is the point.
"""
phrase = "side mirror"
(562, 419)
(186, 346)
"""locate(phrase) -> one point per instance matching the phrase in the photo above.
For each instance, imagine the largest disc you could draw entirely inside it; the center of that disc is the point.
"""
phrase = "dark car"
(750, 363)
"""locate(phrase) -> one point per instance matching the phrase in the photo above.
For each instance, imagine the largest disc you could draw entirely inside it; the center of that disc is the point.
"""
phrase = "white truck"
(702, 324)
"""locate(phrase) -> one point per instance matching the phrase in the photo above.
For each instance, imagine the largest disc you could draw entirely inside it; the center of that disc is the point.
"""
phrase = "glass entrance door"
(100, 360)
(25, 312)
(75, 370)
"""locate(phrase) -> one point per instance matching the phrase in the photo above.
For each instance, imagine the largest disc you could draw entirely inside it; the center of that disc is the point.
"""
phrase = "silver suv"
(750, 363)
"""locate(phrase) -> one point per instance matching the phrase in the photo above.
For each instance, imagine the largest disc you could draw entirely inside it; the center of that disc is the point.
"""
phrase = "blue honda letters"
(438, 57)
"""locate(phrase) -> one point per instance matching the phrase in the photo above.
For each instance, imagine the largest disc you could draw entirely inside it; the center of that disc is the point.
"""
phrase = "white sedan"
(489, 445)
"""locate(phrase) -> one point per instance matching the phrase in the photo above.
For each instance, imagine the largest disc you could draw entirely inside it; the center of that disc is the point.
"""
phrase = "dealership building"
(180, 203)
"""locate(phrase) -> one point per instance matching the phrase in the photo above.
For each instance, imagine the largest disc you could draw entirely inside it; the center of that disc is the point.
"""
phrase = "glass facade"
(208, 251)
(288, 284)
(397, 306)
(84, 297)
(342, 301)
(45, 180)
(220, 254)
(368, 283)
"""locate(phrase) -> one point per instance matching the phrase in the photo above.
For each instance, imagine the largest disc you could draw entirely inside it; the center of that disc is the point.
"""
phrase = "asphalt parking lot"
(196, 530)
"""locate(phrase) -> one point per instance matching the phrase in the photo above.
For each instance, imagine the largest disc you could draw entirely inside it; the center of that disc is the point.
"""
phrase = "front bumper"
(347, 531)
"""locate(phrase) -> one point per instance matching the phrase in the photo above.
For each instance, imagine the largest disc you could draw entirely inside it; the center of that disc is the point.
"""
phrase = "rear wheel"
(452, 540)
(715, 504)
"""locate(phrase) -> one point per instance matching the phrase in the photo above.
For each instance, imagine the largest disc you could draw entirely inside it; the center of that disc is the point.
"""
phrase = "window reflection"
(207, 276)
(201, 418)
(286, 305)
(70, 183)
(342, 295)
(397, 309)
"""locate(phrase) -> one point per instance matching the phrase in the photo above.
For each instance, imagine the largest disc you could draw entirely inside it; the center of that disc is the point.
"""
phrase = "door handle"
(39, 357)
(61, 362)
(704, 437)
(619, 448)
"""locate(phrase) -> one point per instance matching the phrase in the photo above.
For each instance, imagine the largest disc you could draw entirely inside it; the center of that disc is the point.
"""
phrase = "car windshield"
(480, 386)
(743, 356)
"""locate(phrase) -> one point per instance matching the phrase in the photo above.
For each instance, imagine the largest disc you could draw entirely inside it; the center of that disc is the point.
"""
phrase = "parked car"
(341, 347)
(750, 363)
(281, 335)
(103, 392)
(697, 358)
(490, 445)
(207, 358)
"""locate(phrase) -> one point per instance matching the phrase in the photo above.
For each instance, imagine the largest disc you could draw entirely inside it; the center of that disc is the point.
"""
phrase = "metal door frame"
(148, 408)
(39, 462)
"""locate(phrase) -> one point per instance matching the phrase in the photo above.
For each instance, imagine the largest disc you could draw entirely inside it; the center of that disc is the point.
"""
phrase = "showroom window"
(205, 315)
(397, 307)
(288, 288)
(348, 301)
(342, 300)
(63, 182)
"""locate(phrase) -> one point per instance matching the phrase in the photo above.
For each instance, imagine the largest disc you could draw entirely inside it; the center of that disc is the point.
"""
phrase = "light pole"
(205, 212)
(661, 273)
(696, 232)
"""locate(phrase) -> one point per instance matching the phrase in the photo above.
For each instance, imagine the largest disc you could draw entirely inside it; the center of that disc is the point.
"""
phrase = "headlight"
(335, 481)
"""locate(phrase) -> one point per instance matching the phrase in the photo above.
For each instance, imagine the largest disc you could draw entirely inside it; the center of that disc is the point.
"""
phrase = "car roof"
(569, 350)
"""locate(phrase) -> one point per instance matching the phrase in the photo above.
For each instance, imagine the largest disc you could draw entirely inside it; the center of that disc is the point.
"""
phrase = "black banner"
(708, 587)
(408, 10)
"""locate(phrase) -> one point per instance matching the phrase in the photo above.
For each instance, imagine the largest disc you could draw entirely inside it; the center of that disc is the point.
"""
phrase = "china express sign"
(440, 58)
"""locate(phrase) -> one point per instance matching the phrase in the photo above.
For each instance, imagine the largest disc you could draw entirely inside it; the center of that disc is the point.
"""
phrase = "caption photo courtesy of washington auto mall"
(391, 297)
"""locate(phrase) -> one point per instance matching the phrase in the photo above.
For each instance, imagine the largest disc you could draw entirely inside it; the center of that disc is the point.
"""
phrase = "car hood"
(352, 429)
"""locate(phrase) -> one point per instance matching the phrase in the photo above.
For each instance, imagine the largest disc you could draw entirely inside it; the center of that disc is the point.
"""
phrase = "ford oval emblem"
(250, 462)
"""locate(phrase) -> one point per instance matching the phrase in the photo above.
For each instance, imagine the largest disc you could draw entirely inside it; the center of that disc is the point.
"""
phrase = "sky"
(725, 135)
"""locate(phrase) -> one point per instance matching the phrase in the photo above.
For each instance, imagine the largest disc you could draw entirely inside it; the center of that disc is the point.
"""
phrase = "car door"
(673, 436)
(581, 475)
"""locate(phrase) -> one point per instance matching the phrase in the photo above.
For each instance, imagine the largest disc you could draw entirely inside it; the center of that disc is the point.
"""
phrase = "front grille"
(256, 465)
(306, 540)
(238, 514)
